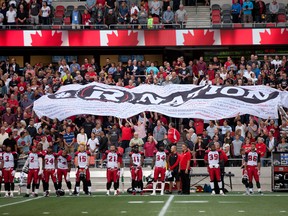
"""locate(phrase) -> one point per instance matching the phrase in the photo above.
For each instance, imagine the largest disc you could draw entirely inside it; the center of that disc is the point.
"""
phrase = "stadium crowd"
(21, 128)
(86, 140)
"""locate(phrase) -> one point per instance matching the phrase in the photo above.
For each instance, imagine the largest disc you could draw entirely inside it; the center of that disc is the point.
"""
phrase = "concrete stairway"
(198, 17)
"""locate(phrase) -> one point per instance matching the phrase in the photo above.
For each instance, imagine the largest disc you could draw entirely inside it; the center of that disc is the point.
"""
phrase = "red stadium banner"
(132, 38)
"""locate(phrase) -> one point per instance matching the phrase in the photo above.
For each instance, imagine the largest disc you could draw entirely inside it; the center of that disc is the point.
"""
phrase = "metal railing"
(190, 24)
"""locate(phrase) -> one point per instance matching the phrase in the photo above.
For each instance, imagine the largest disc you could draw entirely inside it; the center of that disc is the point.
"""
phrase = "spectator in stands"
(3, 11)
(142, 16)
(123, 13)
(260, 11)
(11, 16)
(75, 18)
(45, 13)
(159, 132)
(110, 4)
(283, 145)
(1, 20)
(21, 15)
(34, 12)
(91, 6)
(3, 136)
(155, 8)
(168, 18)
(86, 19)
(247, 8)
(181, 17)
(150, 147)
(236, 11)
(99, 15)
(134, 10)
(274, 9)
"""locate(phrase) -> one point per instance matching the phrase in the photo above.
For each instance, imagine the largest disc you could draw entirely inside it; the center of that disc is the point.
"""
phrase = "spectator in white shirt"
(276, 62)
(11, 16)
(134, 10)
(45, 13)
(82, 137)
(93, 144)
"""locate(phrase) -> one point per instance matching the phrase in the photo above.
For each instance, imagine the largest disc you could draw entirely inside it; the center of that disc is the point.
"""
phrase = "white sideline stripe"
(202, 211)
(123, 212)
(166, 206)
(5, 213)
(282, 211)
(23, 201)
(46, 213)
(84, 212)
(241, 211)
(135, 202)
(192, 201)
(229, 202)
(155, 202)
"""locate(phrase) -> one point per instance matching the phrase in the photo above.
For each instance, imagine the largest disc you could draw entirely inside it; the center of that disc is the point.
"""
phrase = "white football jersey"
(112, 160)
(213, 157)
(49, 161)
(252, 158)
(83, 159)
(33, 160)
(160, 160)
(63, 161)
(8, 159)
(136, 158)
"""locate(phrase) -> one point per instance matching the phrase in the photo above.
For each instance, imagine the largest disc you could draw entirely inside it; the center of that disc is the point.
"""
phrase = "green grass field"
(196, 204)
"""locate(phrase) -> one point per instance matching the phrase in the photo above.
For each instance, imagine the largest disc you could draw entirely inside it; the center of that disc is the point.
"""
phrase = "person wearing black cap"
(184, 169)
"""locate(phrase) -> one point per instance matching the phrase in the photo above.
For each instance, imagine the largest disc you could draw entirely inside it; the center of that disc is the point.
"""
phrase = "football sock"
(220, 185)
(12, 186)
(33, 187)
(36, 191)
(60, 185)
(140, 185)
(69, 185)
(108, 185)
(37, 187)
(6, 193)
(133, 185)
(27, 191)
(258, 185)
(55, 186)
(212, 185)
(89, 186)
(77, 189)
(154, 187)
(7, 186)
(162, 187)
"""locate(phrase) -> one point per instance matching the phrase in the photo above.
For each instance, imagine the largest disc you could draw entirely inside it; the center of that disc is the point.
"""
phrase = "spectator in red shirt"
(173, 134)
(86, 63)
(184, 169)
(199, 126)
(211, 72)
(273, 127)
(126, 134)
(130, 85)
(150, 147)
(22, 85)
(261, 149)
(13, 102)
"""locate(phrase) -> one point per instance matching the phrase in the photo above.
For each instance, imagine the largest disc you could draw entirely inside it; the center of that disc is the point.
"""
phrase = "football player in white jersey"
(63, 169)
(8, 167)
(212, 159)
(160, 161)
(50, 170)
(113, 168)
(82, 158)
(34, 163)
(253, 165)
(136, 163)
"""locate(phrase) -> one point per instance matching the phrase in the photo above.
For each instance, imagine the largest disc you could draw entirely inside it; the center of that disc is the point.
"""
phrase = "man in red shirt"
(126, 134)
(211, 72)
(184, 169)
(22, 86)
(173, 134)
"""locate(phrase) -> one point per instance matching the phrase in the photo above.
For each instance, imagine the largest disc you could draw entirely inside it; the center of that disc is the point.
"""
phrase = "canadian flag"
(270, 36)
(122, 38)
(49, 38)
(11, 38)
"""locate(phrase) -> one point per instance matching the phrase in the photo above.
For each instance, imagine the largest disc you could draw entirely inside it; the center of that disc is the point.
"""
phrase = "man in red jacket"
(173, 134)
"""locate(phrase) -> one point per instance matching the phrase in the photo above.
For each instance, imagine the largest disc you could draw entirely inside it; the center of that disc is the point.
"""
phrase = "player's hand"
(68, 177)
(216, 165)
(0, 173)
(211, 166)
(259, 173)
(118, 172)
(55, 172)
(86, 167)
(40, 172)
(186, 171)
(245, 172)
(13, 173)
(138, 167)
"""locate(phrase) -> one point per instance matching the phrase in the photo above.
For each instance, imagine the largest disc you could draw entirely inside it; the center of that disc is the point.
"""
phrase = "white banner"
(180, 101)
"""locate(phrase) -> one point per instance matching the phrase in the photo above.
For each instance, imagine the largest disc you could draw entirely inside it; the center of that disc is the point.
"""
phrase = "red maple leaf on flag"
(276, 36)
(199, 38)
(123, 38)
(47, 38)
